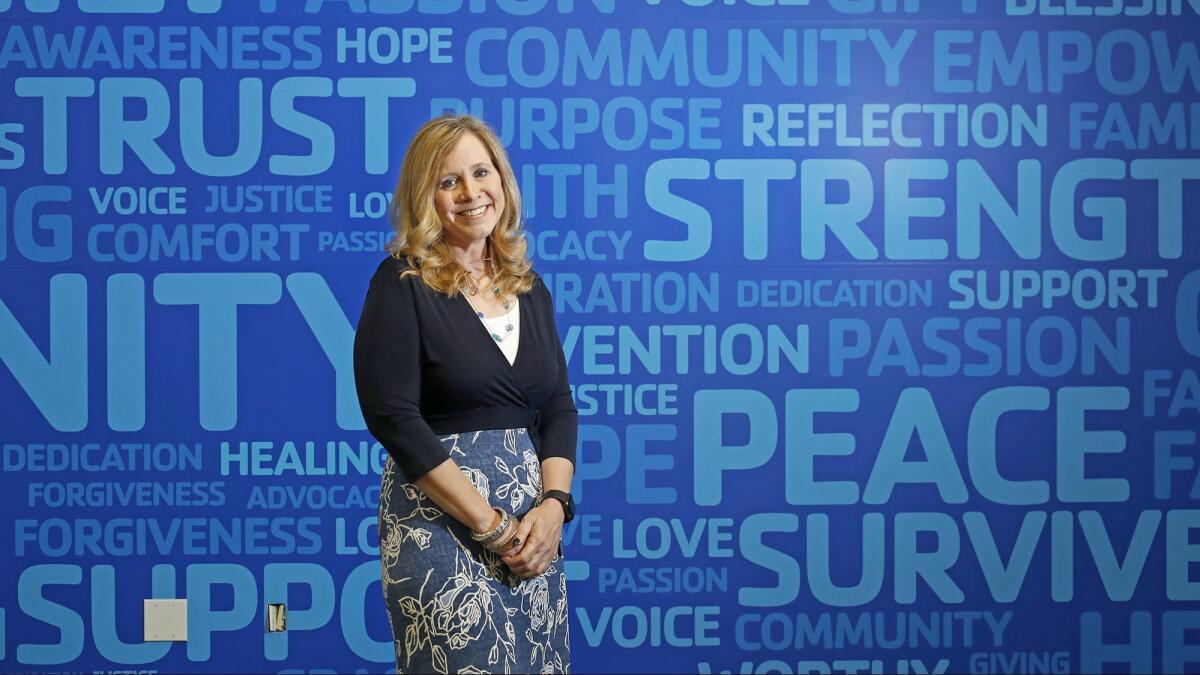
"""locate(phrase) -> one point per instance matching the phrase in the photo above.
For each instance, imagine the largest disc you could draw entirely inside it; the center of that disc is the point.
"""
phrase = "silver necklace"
(473, 289)
(508, 328)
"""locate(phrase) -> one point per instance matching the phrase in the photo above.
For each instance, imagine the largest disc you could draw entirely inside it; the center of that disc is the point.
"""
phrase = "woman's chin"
(465, 237)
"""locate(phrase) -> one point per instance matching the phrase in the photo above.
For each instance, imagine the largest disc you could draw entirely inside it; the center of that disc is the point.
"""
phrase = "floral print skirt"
(454, 606)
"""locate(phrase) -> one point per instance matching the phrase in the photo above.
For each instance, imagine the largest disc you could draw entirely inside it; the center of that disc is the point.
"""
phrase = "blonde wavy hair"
(419, 239)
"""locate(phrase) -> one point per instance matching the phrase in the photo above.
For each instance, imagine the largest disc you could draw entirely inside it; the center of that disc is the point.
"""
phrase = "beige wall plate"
(166, 620)
(276, 617)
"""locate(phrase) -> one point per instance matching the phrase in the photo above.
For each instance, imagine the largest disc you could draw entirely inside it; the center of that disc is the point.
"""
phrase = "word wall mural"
(882, 319)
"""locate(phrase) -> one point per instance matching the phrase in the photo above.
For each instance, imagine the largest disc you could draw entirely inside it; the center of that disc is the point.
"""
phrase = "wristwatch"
(564, 498)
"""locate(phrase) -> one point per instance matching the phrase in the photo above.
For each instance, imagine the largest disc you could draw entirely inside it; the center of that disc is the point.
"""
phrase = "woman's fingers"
(534, 563)
(528, 564)
(532, 557)
(524, 526)
(529, 534)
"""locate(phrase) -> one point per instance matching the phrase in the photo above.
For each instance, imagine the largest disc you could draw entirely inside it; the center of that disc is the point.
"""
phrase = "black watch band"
(564, 498)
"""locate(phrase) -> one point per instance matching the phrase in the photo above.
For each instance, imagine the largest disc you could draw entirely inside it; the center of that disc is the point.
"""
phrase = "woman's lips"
(475, 212)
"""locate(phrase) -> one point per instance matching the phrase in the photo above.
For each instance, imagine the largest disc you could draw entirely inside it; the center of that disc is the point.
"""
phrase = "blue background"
(1105, 570)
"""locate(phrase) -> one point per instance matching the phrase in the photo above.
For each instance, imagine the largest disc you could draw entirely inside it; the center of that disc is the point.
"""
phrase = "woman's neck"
(473, 258)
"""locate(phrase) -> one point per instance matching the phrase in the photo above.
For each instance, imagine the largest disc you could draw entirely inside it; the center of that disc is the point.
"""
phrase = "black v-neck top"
(424, 365)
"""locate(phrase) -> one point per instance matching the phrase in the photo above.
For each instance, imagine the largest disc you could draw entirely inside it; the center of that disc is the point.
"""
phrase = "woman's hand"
(506, 540)
(540, 533)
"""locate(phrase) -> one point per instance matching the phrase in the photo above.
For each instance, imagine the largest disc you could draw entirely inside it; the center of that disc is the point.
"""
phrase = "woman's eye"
(448, 183)
(481, 173)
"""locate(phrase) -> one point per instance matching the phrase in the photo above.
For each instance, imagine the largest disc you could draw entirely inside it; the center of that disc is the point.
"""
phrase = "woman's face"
(468, 196)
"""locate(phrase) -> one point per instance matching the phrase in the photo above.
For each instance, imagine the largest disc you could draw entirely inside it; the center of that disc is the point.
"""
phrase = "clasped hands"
(529, 546)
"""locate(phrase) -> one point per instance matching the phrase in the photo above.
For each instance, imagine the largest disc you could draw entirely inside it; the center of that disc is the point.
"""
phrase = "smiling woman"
(461, 377)
(439, 233)
(469, 195)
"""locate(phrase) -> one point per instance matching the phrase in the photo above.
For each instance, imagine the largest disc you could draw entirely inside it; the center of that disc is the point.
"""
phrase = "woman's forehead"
(466, 153)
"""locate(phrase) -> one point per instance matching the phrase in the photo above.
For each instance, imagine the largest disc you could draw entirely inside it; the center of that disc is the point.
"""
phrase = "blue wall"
(882, 318)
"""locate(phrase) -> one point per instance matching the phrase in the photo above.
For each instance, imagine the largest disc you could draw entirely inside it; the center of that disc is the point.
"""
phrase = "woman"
(461, 377)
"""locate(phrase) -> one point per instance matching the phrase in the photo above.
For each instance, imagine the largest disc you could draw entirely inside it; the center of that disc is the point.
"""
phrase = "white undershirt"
(498, 324)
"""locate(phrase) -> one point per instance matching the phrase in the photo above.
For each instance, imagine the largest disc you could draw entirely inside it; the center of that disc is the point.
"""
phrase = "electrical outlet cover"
(166, 620)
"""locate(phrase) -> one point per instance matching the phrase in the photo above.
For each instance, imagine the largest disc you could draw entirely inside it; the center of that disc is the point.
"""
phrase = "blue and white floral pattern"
(454, 606)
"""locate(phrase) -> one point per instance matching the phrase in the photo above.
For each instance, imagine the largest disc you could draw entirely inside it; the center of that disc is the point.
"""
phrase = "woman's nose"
(467, 189)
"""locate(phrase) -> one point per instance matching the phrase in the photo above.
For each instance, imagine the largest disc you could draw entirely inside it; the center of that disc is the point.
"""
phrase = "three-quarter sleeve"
(559, 419)
(387, 374)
